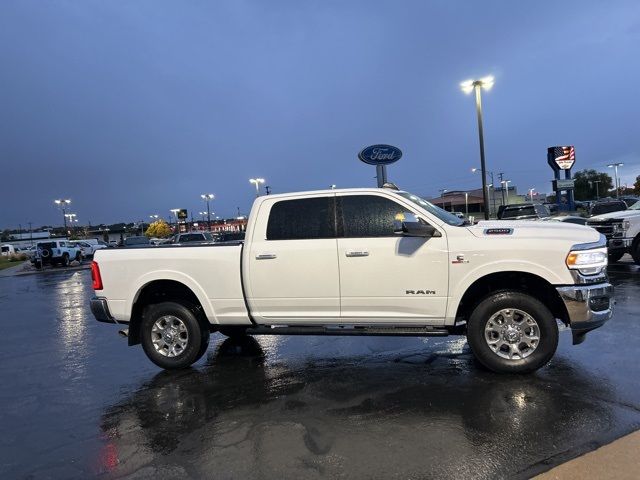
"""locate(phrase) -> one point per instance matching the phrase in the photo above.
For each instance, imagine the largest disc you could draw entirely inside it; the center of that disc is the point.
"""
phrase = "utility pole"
(30, 233)
(501, 177)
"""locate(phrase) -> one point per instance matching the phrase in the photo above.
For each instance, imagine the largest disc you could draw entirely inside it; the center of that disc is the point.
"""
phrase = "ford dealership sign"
(380, 155)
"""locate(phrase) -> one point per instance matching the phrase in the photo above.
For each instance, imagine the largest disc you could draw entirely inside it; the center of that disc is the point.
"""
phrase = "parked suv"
(523, 211)
(56, 252)
(607, 205)
(192, 237)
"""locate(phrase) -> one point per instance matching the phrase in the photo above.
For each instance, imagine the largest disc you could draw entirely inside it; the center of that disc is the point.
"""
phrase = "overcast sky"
(131, 108)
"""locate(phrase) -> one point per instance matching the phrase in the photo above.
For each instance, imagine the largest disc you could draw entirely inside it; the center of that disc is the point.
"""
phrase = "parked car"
(192, 237)
(607, 205)
(136, 242)
(523, 211)
(353, 262)
(629, 200)
(622, 229)
(7, 249)
(56, 252)
(229, 237)
(88, 249)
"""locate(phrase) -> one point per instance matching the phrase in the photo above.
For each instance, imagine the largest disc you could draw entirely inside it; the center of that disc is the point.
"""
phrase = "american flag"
(564, 156)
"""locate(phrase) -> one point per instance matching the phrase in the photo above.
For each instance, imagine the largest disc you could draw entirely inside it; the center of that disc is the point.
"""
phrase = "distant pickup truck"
(362, 262)
(622, 229)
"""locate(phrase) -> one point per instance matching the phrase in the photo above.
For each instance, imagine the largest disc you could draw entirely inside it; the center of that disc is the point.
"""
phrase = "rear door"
(292, 261)
(385, 277)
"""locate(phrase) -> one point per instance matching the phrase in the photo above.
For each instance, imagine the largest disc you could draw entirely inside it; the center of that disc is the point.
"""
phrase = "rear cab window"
(302, 219)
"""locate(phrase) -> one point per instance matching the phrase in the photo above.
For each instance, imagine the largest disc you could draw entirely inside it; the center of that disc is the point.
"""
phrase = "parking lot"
(77, 402)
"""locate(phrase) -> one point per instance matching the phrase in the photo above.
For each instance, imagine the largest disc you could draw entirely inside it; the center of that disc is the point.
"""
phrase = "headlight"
(626, 224)
(588, 262)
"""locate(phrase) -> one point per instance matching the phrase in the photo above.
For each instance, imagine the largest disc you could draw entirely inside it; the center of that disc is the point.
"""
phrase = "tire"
(615, 256)
(509, 320)
(38, 264)
(233, 331)
(186, 344)
(79, 257)
(65, 260)
(635, 250)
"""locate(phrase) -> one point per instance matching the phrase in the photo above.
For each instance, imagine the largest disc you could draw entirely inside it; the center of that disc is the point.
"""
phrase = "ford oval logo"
(380, 155)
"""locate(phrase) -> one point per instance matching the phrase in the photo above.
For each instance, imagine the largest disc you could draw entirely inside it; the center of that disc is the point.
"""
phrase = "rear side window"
(302, 219)
(367, 216)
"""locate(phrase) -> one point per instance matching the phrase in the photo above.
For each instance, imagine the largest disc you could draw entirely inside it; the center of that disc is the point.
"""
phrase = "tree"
(589, 184)
(158, 229)
(636, 186)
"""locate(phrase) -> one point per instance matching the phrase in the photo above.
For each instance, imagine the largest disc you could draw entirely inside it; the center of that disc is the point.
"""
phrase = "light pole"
(155, 217)
(442, 192)
(468, 87)
(175, 214)
(493, 182)
(207, 197)
(505, 188)
(591, 182)
(531, 194)
(62, 203)
(615, 167)
(257, 182)
(466, 204)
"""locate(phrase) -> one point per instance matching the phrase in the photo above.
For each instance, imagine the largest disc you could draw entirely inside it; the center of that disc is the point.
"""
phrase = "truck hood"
(615, 215)
(524, 229)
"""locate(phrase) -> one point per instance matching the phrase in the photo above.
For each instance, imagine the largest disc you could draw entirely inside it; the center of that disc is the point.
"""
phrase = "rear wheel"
(512, 332)
(171, 335)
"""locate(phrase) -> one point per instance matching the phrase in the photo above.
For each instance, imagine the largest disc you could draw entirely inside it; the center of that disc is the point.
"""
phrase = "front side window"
(367, 216)
(302, 219)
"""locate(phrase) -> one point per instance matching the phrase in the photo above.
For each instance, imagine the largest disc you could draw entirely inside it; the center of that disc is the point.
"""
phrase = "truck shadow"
(444, 413)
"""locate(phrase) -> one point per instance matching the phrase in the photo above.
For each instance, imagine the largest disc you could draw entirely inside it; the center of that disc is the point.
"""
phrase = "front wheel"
(635, 250)
(171, 335)
(512, 332)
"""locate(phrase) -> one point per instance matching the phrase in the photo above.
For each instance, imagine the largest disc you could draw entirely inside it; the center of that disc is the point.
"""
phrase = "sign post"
(380, 156)
(562, 158)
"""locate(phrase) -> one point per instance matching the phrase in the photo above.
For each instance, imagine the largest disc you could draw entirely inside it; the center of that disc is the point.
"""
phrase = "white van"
(7, 249)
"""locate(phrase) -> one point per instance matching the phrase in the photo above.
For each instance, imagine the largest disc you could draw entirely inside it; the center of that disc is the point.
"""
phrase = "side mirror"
(412, 226)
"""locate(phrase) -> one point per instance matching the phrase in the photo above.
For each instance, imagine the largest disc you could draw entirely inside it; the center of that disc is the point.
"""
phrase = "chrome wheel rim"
(512, 334)
(169, 336)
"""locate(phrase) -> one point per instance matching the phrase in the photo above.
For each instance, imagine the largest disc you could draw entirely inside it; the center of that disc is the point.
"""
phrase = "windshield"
(635, 206)
(443, 215)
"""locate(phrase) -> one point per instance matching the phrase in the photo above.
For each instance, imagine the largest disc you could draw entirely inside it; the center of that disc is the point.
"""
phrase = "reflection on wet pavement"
(78, 402)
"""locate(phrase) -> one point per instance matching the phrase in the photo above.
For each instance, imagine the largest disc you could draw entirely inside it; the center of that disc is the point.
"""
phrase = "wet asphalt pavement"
(76, 402)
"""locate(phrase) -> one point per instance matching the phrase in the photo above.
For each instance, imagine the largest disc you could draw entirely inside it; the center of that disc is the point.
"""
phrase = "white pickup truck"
(622, 229)
(362, 262)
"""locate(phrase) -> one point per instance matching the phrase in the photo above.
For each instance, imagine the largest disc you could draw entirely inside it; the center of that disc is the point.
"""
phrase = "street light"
(155, 217)
(62, 203)
(531, 194)
(468, 87)
(615, 167)
(505, 188)
(207, 197)
(257, 182)
(175, 214)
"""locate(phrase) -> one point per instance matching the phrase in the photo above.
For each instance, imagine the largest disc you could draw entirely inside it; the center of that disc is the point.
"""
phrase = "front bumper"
(589, 307)
(100, 310)
(616, 243)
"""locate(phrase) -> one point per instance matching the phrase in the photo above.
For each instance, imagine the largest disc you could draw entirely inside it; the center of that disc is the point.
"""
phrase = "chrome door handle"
(265, 256)
(356, 253)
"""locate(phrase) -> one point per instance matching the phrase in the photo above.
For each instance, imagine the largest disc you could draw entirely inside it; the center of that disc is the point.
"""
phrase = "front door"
(384, 277)
(293, 262)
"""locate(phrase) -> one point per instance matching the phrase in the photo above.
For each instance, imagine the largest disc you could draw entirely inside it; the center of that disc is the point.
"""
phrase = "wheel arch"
(163, 290)
(523, 282)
